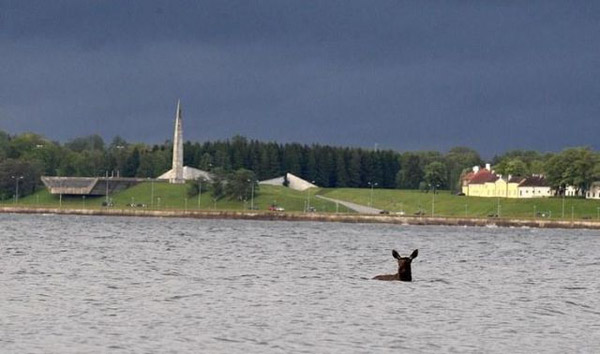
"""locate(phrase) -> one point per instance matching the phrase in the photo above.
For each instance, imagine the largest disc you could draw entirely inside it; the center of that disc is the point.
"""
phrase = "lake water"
(74, 284)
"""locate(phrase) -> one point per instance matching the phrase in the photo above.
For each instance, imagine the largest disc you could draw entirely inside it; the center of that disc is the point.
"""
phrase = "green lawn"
(172, 196)
(446, 204)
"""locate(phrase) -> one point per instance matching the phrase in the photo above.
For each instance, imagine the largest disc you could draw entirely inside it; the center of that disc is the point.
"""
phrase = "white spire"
(178, 147)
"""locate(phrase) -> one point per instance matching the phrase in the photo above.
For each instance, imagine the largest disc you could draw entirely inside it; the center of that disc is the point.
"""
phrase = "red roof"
(483, 176)
(467, 178)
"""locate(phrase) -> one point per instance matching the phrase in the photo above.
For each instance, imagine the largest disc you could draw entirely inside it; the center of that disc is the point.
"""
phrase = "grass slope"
(447, 204)
(161, 195)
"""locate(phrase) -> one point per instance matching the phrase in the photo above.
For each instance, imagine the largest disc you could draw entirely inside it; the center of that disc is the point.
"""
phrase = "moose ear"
(414, 254)
(395, 254)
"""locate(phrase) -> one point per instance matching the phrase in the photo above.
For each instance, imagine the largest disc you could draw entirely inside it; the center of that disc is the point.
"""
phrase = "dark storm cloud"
(404, 75)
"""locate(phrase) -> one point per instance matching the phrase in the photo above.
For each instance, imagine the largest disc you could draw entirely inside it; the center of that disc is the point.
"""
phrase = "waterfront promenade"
(315, 217)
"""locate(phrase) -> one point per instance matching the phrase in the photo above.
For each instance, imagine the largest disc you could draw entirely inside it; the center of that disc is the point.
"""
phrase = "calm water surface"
(148, 285)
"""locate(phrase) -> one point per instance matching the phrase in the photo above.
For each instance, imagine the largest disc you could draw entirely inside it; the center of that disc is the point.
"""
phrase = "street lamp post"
(252, 197)
(17, 178)
(199, 192)
(371, 197)
(498, 209)
(151, 192)
(433, 200)
(251, 193)
(308, 197)
(106, 192)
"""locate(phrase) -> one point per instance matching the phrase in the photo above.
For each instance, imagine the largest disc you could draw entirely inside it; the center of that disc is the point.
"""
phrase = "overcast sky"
(405, 75)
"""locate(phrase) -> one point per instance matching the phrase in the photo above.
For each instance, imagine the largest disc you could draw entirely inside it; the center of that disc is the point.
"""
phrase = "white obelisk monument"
(177, 169)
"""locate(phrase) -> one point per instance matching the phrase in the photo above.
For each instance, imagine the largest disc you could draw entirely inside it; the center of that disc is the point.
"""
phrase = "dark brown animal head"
(404, 271)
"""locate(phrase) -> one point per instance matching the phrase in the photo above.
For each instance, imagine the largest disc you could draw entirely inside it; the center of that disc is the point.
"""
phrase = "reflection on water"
(95, 284)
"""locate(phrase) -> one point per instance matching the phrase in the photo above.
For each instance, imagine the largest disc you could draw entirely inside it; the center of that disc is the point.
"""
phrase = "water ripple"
(95, 284)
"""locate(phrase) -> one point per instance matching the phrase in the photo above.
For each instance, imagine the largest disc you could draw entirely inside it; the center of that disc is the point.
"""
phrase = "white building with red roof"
(483, 182)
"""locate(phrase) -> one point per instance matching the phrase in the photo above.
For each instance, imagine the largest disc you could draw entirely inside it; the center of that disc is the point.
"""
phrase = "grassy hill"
(173, 196)
(170, 196)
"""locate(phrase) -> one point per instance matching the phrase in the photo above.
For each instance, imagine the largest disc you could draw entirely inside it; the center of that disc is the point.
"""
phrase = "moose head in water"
(404, 273)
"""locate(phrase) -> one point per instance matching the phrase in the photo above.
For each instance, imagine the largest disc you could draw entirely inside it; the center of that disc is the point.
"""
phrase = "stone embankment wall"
(287, 216)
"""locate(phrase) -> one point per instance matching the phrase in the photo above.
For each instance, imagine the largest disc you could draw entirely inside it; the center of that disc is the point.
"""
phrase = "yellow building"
(480, 183)
(484, 183)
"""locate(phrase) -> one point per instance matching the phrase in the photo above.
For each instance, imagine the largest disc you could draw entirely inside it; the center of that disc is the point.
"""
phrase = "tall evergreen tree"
(412, 174)
(354, 169)
(132, 164)
(341, 173)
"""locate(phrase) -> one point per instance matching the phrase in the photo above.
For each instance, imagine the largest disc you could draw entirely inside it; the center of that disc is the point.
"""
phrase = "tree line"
(31, 155)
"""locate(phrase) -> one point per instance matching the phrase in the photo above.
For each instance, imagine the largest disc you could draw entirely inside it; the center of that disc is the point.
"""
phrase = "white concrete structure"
(179, 173)
(177, 168)
(571, 191)
(594, 191)
(189, 174)
(295, 182)
(534, 187)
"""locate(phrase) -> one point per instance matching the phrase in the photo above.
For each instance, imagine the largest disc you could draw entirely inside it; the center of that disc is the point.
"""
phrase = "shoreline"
(318, 217)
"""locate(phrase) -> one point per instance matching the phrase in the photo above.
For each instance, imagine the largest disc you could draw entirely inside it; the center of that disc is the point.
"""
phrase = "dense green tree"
(367, 167)
(132, 164)
(152, 164)
(47, 156)
(457, 160)
(512, 167)
(206, 162)
(89, 163)
(579, 172)
(217, 184)
(189, 154)
(4, 144)
(390, 165)
(17, 174)
(341, 172)
(274, 161)
(575, 167)
(118, 143)
(90, 143)
(411, 173)
(435, 175)
(324, 167)
(354, 170)
(240, 185)
(527, 156)
(25, 143)
(239, 152)
(292, 154)
(221, 157)
(310, 166)
(197, 186)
